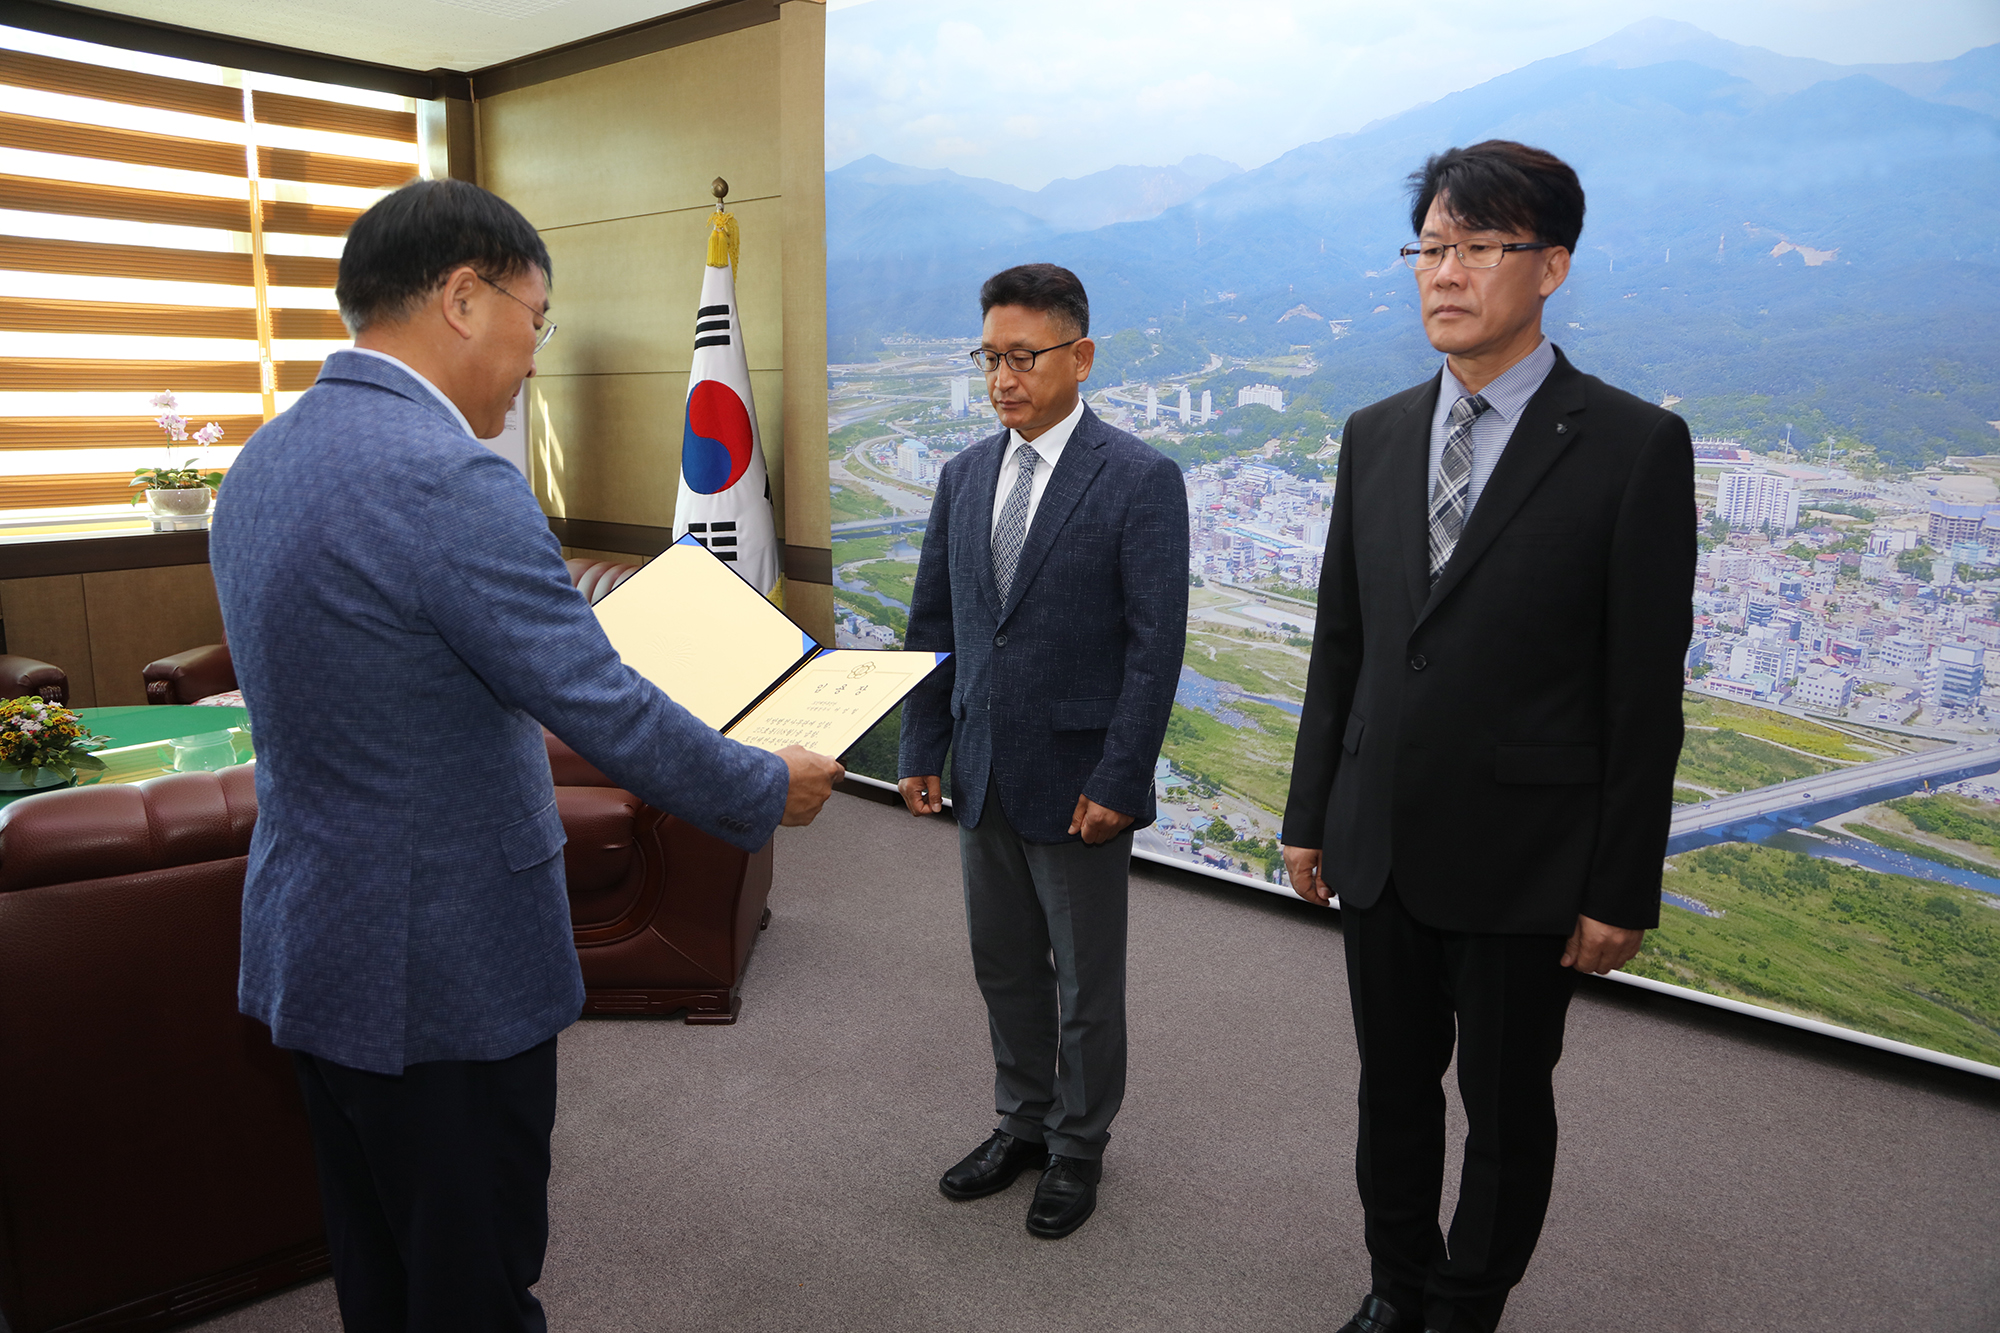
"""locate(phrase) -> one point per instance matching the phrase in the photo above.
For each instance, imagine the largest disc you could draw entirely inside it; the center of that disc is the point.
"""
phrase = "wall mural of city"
(1793, 253)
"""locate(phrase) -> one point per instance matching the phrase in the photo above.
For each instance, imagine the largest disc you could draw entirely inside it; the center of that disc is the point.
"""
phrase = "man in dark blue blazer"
(1055, 571)
(405, 927)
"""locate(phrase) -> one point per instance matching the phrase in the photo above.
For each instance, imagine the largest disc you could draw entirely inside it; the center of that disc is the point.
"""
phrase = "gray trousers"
(1047, 923)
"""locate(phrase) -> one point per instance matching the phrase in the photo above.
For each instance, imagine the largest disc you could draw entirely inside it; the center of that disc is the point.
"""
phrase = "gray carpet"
(1716, 1173)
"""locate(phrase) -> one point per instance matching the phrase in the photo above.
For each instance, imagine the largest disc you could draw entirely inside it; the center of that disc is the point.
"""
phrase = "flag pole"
(725, 234)
(724, 500)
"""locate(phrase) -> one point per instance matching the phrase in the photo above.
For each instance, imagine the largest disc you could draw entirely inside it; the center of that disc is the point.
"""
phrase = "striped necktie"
(1012, 531)
(1450, 499)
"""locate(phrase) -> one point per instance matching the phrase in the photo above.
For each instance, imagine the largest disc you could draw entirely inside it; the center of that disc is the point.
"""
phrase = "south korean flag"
(725, 495)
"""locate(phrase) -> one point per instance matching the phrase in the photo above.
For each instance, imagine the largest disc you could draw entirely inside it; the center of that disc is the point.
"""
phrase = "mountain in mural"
(1117, 194)
(1773, 240)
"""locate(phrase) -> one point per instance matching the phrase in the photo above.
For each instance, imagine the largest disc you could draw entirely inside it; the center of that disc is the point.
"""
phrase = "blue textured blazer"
(1066, 686)
(402, 623)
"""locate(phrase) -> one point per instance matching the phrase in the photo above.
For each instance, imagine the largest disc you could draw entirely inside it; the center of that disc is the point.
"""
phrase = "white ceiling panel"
(411, 34)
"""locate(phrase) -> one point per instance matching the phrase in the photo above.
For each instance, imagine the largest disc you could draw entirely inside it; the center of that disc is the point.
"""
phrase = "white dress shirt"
(1506, 397)
(436, 392)
(1049, 444)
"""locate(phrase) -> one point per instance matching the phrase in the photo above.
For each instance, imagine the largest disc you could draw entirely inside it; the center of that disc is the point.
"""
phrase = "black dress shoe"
(1378, 1316)
(1065, 1198)
(992, 1166)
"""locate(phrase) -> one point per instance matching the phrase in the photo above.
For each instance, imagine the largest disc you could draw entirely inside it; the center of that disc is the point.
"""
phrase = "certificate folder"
(690, 624)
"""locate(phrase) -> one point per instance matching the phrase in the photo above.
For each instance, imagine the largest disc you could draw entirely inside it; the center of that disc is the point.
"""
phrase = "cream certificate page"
(692, 626)
(831, 701)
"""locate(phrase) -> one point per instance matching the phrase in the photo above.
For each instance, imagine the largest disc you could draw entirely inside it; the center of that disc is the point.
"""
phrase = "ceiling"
(409, 34)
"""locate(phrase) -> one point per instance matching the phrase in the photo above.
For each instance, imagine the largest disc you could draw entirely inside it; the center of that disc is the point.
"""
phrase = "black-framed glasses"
(1471, 254)
(548, 326)
(1019, 359)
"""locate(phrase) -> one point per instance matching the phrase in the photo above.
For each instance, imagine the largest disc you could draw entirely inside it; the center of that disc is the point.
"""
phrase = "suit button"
(1418, 662)
(999, 641)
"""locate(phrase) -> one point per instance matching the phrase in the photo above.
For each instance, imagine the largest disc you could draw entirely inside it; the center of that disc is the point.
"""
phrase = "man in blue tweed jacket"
(1054, 570)
(405, 927)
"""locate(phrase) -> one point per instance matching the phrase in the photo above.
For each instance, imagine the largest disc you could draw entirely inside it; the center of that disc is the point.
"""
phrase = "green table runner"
(137, 724)
(139, 740)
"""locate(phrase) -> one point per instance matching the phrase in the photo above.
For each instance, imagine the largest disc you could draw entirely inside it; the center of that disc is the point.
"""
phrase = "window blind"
(165, 225)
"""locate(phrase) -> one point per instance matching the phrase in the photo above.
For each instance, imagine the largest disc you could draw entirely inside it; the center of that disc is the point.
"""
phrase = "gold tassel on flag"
(725, 242)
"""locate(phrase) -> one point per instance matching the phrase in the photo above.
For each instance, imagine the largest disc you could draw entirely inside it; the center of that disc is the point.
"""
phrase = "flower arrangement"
(36, 735)
(189, 474)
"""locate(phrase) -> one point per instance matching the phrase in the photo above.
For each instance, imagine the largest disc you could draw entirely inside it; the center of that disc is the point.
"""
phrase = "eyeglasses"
(546, 326)
(1471, 254)
(1019, 359)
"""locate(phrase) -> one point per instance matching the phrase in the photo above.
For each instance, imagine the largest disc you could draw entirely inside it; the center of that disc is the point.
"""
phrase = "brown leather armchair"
(198, 673)
(22, 676)
(191, 675)
(154, 1158)
(664, 914)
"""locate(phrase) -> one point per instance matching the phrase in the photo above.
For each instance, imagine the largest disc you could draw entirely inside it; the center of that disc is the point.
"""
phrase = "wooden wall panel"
(810, 605)
(139, 615)
(613, 557)
(807, 516)
(45, 619)
(613, 164)
(627, 288)
(608, 447)
(645, 135)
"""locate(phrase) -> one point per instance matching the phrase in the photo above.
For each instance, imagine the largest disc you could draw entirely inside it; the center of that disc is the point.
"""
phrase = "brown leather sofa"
(21, 676)
(154, 1158)
(664, 914)
(155, 1163)
(197, 673)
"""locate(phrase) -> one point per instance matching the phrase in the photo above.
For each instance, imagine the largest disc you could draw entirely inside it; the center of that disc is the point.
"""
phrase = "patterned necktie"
(1454, 484)
(1012, 531)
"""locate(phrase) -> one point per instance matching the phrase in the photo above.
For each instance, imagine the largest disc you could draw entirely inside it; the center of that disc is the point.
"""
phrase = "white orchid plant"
(189, 474)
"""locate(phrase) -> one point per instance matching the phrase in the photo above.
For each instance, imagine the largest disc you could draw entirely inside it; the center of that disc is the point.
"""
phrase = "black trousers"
(435, 1185)
(1503, 999)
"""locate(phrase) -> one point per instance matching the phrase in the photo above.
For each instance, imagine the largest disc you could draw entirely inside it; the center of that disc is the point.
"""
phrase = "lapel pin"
(1561, 429)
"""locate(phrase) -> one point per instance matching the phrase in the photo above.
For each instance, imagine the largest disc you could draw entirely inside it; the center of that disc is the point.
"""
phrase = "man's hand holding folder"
(813, 776)
(691, 625)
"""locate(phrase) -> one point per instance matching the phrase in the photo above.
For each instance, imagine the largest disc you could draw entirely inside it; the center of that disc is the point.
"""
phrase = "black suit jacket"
(1504, 742)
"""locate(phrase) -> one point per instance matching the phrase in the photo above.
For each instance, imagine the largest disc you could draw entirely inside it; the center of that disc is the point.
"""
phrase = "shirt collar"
(1049, 444)
(1511, 390)
(409, 370)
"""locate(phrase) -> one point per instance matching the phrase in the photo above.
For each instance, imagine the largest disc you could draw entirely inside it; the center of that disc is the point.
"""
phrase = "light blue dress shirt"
(1049, 444)
(1507, 397)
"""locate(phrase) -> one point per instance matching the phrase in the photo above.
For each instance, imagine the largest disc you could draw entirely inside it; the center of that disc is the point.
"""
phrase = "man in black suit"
(1491, 725)
(1054, 570)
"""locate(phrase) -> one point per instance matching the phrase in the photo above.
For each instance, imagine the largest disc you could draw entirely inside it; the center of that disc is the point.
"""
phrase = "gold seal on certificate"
(692, 626)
